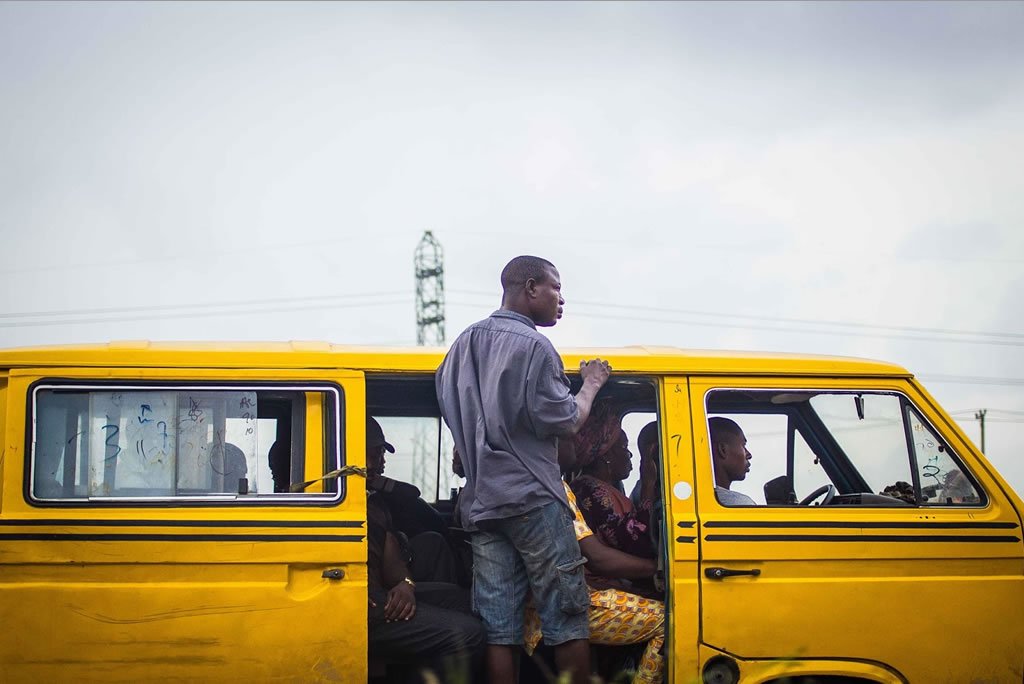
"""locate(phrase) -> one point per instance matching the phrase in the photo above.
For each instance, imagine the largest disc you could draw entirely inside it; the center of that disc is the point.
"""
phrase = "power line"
(805, 322)
(204, 305)
(733, 249)
(737, 247)
(779, 329)
(400, 299)
(329, 302)
(189, 256)
(1006, 337)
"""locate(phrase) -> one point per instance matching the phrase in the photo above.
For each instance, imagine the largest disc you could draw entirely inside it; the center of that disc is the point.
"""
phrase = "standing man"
(504, 395)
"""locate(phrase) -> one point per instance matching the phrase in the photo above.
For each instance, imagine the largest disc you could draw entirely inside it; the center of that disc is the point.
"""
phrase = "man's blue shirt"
(504, 394)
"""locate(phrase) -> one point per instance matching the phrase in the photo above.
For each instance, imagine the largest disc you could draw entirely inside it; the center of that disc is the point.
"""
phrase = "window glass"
(450, 481)
(872, 437)
(417, 458)
(864, 444)
(633, 423)
(423, 453)
(767, 437)
(943, 482)
(766, 442)
(808, 473)
(127, 442)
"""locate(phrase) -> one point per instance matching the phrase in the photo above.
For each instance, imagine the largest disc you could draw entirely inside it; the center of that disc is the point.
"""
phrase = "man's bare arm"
(595, 374)
(401, 602)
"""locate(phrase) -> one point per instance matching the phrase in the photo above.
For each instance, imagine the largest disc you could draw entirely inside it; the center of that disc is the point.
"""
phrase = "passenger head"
(234, 460)
(597, 433)
(647, 440)
(601, 440)
(376, 445)
(280, 465)
(618, 460)
(532, 286)
(729, 454)
(234, 467)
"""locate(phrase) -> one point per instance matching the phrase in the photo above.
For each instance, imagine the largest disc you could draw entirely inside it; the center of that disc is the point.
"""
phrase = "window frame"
(822, 438)
(334, 451)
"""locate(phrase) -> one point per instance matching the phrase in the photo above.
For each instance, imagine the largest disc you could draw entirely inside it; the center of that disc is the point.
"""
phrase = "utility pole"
(429, 263)
(980, 416)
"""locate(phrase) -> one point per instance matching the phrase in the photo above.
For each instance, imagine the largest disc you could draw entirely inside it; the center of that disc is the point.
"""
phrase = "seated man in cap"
(415, 625)
(424, 535)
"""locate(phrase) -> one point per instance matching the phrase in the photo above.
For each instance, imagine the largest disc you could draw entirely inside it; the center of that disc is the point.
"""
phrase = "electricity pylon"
(429, 262)
(429, 265)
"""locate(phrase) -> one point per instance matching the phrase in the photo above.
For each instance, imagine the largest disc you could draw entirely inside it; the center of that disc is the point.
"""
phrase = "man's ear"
(530, 287)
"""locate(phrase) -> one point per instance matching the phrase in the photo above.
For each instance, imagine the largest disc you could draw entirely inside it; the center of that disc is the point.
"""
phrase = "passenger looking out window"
(603, 461)
(647, 446)
(730, 459)
(420, 531)
(831, 448)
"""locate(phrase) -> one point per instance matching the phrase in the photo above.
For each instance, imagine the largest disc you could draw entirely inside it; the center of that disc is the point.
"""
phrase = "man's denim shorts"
(536, 551)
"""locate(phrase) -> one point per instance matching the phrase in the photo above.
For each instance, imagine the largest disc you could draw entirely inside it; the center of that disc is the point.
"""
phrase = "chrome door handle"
(722, 573)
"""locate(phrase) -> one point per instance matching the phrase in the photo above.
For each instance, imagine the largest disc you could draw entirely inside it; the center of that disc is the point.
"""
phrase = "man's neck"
(516, 307)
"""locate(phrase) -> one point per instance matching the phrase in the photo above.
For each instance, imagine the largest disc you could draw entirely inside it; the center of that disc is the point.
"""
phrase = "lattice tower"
(429, 269)
(429, 264)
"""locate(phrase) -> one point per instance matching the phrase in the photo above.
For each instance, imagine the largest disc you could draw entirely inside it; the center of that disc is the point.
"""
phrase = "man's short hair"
(648, 436)
(522, 268)
(723, 427)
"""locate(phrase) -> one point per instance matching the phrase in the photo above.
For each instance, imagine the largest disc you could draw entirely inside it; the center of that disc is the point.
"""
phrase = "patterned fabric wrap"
(617, 618)
(610, 514)
(579, 523)
(597, 435)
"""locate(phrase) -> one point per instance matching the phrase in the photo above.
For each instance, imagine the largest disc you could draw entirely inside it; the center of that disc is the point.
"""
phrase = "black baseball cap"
(375, 436)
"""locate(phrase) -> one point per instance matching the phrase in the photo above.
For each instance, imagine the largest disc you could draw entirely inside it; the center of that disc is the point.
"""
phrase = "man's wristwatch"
(408, 580)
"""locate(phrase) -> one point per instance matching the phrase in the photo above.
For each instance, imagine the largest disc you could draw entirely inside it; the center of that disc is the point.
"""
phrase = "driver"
(730, 459)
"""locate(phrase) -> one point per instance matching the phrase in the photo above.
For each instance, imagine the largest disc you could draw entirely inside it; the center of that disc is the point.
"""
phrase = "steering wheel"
(828, 490)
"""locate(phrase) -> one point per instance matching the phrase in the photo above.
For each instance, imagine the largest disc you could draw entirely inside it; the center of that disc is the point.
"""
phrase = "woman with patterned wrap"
(602, 453)
(617, 617)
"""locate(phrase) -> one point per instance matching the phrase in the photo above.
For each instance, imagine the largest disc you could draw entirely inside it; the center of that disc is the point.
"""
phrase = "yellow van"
(149, 531)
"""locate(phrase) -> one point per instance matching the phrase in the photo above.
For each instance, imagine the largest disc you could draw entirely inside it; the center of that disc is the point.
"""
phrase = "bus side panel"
(929, 592)
(182, 592)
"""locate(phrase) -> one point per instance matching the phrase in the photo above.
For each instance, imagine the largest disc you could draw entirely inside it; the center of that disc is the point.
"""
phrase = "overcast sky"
(832, 178)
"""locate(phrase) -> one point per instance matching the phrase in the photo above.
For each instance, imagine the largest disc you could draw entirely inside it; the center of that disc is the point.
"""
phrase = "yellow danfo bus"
(149, 529)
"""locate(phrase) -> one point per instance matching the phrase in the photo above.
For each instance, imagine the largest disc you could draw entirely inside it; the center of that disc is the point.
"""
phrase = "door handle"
(722, 573)
(333, 573)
